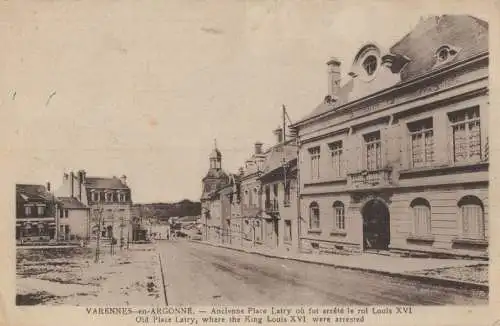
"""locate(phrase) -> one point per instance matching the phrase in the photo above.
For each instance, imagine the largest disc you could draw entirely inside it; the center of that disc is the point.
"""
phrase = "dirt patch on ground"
(72, 277)
(474, 273)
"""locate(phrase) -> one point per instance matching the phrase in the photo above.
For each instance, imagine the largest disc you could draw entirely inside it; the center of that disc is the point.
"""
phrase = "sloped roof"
(105, 183)
(467, 33)
(33, 192)
(276, 155)
(72, 203)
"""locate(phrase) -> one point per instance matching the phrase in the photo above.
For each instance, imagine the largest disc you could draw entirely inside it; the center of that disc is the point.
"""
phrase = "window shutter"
(483, 113)
(359, 159)
(405, 148)
(392, 143)
(443, 139)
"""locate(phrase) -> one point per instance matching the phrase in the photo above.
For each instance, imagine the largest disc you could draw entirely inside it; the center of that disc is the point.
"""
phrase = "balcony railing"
(272, 206)
(372, 178)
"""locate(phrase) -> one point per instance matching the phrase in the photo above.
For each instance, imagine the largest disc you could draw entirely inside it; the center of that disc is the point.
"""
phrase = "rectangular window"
(41, 210)
(466, 130)
(66, 213)
(288, 231)
(27, 210)
(315, 156)
(373, 151)
(422, 143)
(287, 193)
(336, 158)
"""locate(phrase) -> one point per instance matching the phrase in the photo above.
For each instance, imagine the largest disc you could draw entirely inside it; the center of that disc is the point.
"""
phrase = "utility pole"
(122, 225)
(98, 216)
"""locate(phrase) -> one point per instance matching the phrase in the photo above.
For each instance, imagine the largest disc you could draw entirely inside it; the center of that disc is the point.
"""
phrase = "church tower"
(215, 158)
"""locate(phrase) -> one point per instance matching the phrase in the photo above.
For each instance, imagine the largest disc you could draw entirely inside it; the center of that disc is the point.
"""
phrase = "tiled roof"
(71, 202)
(466, 33)
(104, 183)
(275, 156)
(34, 192)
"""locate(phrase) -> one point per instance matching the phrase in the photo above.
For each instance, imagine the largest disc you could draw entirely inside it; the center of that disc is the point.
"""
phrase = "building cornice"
(423, 79)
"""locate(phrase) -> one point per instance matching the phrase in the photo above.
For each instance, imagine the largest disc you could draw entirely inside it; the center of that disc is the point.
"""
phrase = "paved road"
(199, 274)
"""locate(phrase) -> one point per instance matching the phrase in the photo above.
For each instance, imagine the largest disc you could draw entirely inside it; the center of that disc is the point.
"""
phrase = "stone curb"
(413, 277)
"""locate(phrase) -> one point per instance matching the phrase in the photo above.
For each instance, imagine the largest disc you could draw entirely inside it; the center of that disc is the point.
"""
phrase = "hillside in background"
(166, 210)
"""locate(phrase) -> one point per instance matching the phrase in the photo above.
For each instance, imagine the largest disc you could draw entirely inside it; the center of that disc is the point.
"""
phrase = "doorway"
(376, 225)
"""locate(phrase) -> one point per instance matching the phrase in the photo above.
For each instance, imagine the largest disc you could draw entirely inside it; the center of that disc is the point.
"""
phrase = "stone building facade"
(109, 200)
(396, 156)
(211, 206)
(279, 191)
(37, 214)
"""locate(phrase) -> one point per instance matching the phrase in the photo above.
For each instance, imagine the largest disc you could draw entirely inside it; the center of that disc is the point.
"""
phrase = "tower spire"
(215, 143)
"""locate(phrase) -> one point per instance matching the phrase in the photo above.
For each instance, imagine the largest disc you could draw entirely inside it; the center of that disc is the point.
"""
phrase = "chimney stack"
(278, 132)
(48, 186)
(123, 179)
(258, 148)
(333, 76)
(71, 180)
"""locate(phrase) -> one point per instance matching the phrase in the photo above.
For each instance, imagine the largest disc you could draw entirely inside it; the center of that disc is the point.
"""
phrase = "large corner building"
(396, 156)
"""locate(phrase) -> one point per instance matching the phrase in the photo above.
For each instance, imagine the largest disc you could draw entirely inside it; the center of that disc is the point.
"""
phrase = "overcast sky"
(143, 87)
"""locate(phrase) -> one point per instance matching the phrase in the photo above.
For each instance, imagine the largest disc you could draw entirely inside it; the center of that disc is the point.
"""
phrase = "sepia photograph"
(254, 154)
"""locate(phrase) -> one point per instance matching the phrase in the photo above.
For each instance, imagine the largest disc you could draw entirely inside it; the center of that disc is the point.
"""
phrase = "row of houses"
(82, 209)
(394, 159)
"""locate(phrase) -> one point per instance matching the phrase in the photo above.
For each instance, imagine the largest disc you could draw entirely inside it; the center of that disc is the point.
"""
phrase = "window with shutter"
(422, 143)
(314, 221)
(339, 214)
(314, 154)
(421, 217)
(466, 131)
(336, 156)
(373, 151)
(472, 218)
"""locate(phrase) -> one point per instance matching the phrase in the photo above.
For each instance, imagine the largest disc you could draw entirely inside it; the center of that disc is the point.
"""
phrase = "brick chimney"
(333, 76)
(258, 148)
(278, 132)
(48, 186)
(71, 182)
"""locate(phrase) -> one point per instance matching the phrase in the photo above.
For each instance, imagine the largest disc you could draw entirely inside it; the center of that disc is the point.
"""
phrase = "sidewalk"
(422, 269)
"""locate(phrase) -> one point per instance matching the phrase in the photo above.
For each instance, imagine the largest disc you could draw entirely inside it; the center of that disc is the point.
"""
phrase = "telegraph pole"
(98, 215)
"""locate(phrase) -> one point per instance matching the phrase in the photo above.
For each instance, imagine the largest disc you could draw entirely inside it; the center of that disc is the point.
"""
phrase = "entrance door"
(376, 227)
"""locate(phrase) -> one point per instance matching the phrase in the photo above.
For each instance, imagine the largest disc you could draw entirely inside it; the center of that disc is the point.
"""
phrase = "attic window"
(445, 53)
(370, 65)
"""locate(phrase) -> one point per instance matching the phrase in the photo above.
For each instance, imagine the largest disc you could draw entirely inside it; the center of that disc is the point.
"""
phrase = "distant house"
(109, 199)
(36, 213)
(74, 219)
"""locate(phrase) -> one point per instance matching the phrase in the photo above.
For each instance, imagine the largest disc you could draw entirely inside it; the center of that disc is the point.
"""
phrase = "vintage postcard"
(249, 162)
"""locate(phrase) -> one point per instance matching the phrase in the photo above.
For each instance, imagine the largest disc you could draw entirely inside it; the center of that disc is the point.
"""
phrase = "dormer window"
(445, 54)
(370, 65)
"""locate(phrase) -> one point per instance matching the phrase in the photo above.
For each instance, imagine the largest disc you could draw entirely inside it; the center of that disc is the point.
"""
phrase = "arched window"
(339, 214)
(314, 216)
(421, 216)
(471, 217)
